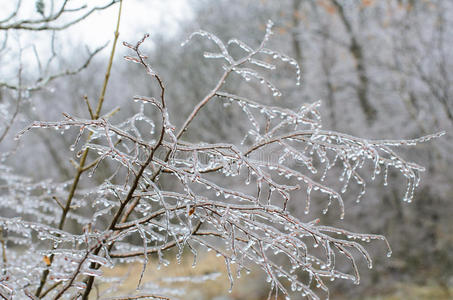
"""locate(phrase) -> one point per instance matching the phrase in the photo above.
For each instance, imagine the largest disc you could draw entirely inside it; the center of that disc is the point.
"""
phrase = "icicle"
(307, 206)
(230, 276)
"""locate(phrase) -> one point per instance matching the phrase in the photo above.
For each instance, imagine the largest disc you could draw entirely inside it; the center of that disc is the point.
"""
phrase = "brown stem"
(80, 170)
(183, 129)
(203, 103)
(63, 219)
(56, 284)
(76, 272)
(193, 114)
(137, 177)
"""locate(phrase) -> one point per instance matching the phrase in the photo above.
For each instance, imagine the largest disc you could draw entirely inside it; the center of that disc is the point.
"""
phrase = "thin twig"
(88, 106)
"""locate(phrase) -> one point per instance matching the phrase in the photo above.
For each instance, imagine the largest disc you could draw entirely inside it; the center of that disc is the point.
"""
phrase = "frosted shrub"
(167, 192)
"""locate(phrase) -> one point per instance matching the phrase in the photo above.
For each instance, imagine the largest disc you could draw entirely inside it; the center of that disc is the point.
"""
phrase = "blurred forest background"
(382, 68)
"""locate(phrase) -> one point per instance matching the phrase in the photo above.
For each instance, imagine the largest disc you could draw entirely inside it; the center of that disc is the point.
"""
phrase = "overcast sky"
(138, 17)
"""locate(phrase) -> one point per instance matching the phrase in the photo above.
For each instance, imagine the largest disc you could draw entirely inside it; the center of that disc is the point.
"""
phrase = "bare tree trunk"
(326, 64)
(357, 52)
(298, 55)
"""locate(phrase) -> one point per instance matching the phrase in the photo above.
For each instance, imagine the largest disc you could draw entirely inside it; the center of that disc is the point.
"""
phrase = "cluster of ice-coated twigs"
(167, 192)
